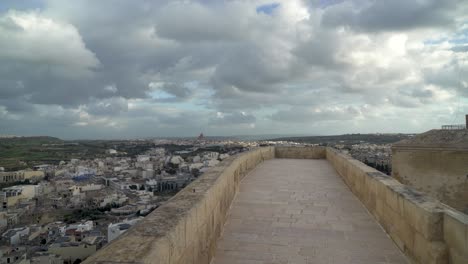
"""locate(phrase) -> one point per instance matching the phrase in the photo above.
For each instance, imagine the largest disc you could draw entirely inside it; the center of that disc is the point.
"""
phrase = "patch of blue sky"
(189, 106)
(268, 9)
(460, 38)
(165, 97)
(432, 42)
(266, 112)
(6, 5)
(161, 95)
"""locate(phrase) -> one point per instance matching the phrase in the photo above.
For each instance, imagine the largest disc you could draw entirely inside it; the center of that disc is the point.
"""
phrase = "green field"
(25, 152)
(348, 139)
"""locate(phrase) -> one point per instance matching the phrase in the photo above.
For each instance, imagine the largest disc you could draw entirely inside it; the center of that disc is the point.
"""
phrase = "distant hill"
(24, 152)
(264, 137)
(17, 152)
(348, 139)
(36, 140)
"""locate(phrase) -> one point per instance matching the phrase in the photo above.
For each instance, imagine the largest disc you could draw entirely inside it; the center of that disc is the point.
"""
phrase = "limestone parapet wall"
(185, 229)
(300, 152)
(423, 228)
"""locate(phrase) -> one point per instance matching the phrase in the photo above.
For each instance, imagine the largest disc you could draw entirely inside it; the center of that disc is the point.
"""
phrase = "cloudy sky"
(125, 69)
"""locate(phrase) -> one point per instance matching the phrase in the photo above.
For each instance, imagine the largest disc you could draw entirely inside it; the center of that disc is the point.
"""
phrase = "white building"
(152, 183)
(115, 230)
(77, 190)
(13, 195)
(143, 158)
(13, 236)
(177, 160)
(146, 174)
(112, 151)
(82, 227)
(196, 166)
(115, 198)
(223, 156)
(211, 163)
(100, 164)
(210, 155)
(196, 159)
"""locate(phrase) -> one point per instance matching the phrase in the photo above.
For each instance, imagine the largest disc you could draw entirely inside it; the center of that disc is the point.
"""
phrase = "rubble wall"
(185, 229)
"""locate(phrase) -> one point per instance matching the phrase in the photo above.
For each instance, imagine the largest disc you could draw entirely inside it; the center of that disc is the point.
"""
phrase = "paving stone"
(300, 211)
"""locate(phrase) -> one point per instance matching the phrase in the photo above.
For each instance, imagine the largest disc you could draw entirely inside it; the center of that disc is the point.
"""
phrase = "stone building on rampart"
(436, 163)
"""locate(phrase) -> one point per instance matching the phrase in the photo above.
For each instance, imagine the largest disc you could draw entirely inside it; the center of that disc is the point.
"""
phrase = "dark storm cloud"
(194, 22)
(17, 105)
(463, 48)
(321, 50)
(91, 67)
(449, 76)
(251, 68)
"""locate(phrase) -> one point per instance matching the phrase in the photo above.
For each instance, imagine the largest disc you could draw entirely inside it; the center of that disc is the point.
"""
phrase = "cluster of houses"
(56, 242)
(374, 155)
(38, 219)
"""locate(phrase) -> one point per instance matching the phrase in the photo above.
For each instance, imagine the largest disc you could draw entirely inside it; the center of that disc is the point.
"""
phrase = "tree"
(171, 171)
(195, 172)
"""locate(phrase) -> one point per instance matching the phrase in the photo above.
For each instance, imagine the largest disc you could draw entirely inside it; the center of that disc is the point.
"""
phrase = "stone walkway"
(300, 211)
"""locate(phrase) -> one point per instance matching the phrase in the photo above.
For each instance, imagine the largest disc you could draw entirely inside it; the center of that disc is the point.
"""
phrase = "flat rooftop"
(300, 211)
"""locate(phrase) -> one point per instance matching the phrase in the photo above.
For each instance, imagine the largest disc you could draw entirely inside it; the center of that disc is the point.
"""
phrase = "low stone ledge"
(300, 152)
(413, 220)
(185, 229)
(455, 232)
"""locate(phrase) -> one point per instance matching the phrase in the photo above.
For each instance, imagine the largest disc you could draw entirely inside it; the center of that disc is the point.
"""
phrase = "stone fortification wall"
(423, 228)
(300, 152)
(439, 172)
(455, 233)
(185, 229)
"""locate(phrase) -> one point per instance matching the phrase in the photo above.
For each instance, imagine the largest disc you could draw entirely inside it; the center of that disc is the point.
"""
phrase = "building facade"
(436, 163)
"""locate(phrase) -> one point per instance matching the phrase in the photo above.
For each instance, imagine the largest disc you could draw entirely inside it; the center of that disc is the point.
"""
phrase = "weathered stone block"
(392, 220)
(429, 252)
(380, 208)
(424, 219)
(456, 257)
(406, 234)
(455, 233)
(391, 199)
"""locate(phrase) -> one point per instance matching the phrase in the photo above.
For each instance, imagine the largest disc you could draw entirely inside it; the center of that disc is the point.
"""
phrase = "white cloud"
(172, 67)
(30, 37)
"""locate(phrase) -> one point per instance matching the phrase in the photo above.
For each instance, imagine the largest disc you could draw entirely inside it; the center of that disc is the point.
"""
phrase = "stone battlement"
(186, 228)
